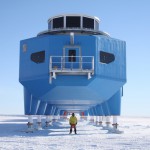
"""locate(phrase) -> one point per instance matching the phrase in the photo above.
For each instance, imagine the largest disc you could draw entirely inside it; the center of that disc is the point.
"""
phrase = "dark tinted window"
(88, 23)
(38, 57)
(58, 22)
(72, 21)
(72, 55)
(106, 57)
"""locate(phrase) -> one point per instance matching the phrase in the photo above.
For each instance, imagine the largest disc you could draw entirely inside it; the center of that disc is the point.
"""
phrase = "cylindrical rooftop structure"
(71, 21)
(78, 23)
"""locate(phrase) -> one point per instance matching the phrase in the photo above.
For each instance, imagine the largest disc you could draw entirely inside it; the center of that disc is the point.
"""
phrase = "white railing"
(71, 63)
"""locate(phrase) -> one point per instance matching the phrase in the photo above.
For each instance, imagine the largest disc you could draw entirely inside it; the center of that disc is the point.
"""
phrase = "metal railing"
(71, 63)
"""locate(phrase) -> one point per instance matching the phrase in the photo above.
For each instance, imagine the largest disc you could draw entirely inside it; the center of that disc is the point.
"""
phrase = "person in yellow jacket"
(73, 123)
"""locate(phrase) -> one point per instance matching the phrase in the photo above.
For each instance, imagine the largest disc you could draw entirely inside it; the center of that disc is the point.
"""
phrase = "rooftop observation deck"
(77, 23)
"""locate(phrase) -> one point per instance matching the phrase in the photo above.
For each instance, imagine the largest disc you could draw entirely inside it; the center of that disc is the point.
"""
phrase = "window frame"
(38, 57)
(106, 57)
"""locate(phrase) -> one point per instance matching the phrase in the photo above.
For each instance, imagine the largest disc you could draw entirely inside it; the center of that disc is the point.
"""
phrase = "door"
(72, 58)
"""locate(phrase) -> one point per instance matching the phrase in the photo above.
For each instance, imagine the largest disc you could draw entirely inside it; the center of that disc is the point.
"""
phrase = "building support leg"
(48, 122)
(92, 119)
(30, 124)
(97, 118)
(55, 118)
(115, 126)
(107, 127)
(39, 122)
(100, 121)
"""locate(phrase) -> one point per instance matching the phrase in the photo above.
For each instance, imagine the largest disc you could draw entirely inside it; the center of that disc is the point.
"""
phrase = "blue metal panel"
(114, 104)
(103, 87)
(53, 110)
(86, 113)
(94, 111)
(34, 105)
(42, 108)
(48, 109)
(99, 110)
(27, 101)
(105, 108)
(56, 112)
(30, 70)
(117, 69)
(62, 112)
(101, 90)
(90, 112)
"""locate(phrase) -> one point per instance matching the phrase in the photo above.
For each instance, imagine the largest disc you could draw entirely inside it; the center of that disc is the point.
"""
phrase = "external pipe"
(71, 38)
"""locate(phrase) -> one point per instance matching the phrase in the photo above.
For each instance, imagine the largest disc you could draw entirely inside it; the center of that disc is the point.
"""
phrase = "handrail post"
(50, 69)
(93, 63)
(81, 62)
(72, 61)
(50, 65)
(61, 63)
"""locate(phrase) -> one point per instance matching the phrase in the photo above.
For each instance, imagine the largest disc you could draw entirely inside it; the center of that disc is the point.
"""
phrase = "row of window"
(105, 57)
(73, 22)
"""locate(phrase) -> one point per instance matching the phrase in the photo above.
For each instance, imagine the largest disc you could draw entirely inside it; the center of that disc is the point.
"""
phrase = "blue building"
(73, 67)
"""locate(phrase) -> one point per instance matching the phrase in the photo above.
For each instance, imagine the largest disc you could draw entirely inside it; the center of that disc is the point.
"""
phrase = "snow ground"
(136, 135)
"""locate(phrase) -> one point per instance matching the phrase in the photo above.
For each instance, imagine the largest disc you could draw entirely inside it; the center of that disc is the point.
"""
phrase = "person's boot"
(70, 131)
(75, 131)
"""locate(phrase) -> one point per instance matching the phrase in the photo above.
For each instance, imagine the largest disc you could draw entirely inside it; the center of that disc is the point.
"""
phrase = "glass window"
(106, 57)
(88, 23)
(38, 57)
(72, 55)
(72, 21)
(58, 22)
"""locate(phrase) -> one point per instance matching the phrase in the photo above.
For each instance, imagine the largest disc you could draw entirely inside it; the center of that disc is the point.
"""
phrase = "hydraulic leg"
(47, 123)
(30, 124)
(115, 124)
(91, 119)
(107, 127)
(108, 121)
(39, 122)
(97, 118)
(100, 120)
